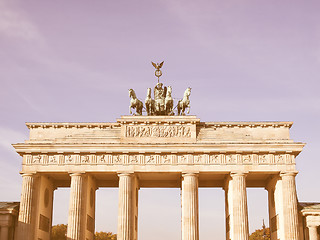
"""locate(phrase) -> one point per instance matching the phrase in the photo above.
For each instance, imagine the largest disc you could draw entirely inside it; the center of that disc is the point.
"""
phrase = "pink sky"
(245, 61)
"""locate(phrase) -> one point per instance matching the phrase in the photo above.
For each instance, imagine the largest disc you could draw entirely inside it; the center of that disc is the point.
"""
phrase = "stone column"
(25, 212)
(189, 204)
(240, 209)
(4, 232)
(290, 206)
(313, 233)
(74, 218)
(125, 214)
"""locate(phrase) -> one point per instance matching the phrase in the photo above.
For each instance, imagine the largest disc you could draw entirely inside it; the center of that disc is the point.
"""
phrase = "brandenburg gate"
(154, 151)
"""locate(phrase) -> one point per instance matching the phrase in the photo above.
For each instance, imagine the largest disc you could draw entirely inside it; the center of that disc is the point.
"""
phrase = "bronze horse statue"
(149, 103)
(169, 102)
(135, 103)
(184, 103)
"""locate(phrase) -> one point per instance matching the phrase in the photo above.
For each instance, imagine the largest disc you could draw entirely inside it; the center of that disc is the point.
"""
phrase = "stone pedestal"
(290, 206)
(25, 212)
(189, 203)
(74, 218)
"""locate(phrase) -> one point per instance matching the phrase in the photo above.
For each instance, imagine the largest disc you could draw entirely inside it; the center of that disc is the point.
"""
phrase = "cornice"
(100, 125)
(290, 148)
(157, 120)
(247, 124)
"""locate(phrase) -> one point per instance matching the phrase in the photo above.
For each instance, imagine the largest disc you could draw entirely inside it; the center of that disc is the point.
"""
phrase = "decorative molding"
(72, 125)
(160, 159)
(248, 124)
(176, 120)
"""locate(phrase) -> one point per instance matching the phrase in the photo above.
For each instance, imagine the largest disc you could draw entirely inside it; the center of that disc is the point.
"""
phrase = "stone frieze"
(159, 159)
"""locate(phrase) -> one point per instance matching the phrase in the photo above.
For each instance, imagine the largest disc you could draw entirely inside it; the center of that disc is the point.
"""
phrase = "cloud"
(14, 24)
(10, 136)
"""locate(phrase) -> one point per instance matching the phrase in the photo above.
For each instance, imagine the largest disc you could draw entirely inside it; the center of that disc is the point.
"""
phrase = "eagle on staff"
(158, 72)
(157, 65)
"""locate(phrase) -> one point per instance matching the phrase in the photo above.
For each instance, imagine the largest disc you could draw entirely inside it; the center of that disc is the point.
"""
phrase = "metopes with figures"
(162, 104)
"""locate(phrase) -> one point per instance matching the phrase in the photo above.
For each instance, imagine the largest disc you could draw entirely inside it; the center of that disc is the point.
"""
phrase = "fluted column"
(74, 218)
(125, 214)
(25, 212)
(240, 208)
(313, 233)
(290, 206)
(4, 232)
(189, 204)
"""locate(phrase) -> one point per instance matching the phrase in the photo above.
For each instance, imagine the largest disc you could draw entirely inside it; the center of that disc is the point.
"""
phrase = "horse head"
(187, 92)
(132, 93)
(149, 92)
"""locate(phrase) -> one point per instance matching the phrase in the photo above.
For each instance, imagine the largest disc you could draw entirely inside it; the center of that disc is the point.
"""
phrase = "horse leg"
(153, 107)
(130, 109)
(183, 110)
(139, 107)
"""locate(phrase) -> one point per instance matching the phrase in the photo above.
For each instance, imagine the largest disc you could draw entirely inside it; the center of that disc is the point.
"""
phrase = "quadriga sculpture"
(149, 102)
(184, 102)
(135, 103)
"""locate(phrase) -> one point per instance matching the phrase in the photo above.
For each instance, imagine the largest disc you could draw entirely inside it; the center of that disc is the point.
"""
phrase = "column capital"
(312, 225)
(31, 174)
(196, 174)
(284, 174)
(239, 173)
(120, 174)
(76, 174)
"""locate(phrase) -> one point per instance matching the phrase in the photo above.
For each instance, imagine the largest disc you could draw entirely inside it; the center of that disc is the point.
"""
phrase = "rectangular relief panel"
(158, 129)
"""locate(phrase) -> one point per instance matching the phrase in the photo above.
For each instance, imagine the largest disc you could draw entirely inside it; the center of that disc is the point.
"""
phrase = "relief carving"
(69, 159)
(158, 131)
(165, 159)
(263, 159)
(52, 159)
(134, 159)
(182, 159)
(102, 159)
(151, 159)
(161, 159)
(231, 159)
(85, 159)
(36, 159)
(116, 159)
(214, 159)
(279, 159)
(247, 159)
(197, 159)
